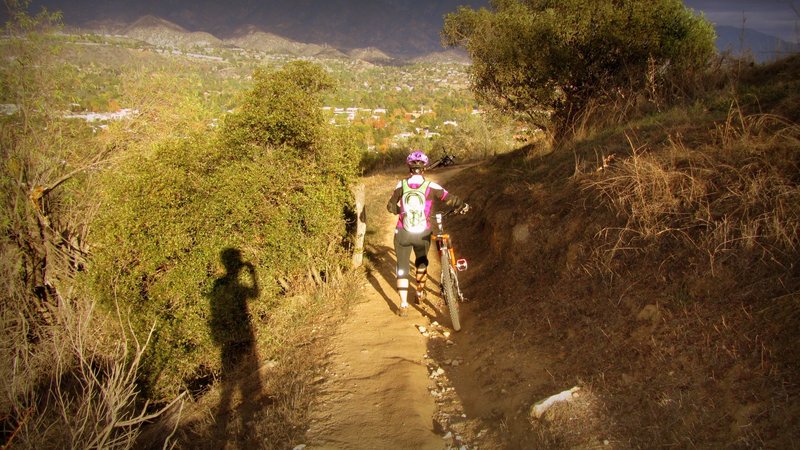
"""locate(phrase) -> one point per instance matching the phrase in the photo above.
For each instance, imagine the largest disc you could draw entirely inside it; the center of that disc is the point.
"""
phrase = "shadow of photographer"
(232, 331)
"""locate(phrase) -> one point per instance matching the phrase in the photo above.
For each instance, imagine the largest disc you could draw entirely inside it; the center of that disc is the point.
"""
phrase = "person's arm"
(449, 199)
(394, 202)
(453, 201)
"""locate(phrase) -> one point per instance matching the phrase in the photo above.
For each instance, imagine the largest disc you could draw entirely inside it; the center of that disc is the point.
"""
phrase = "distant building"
(402, 136)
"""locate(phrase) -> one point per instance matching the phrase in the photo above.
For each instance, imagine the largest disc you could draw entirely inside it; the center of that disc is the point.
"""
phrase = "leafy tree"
(547, 59)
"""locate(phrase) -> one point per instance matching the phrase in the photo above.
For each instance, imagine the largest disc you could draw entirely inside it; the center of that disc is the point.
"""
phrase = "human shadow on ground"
(384, 262)
(232, 331)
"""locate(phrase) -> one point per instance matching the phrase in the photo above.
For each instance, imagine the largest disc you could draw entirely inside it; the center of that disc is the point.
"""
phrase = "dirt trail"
(377, 389)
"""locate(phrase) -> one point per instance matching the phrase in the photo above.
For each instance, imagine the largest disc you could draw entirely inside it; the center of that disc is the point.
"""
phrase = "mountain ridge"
(399, 28)
(164, 33)
(761, 46)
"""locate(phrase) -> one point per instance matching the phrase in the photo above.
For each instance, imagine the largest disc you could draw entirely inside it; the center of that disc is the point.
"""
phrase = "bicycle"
(446, 160)
(450, 290)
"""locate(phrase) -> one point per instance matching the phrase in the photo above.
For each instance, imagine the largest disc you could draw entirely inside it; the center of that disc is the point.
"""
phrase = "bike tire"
(449, 293)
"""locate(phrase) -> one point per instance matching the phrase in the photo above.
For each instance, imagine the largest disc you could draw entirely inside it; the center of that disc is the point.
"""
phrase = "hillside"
(682, 334)
(157, 31)
(254, 39)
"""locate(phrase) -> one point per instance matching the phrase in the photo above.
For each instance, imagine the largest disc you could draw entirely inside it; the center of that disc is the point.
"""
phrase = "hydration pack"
(413, 203)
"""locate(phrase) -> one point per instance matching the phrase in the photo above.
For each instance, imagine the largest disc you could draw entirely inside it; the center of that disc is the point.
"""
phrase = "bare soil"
(663, 352)
(413, 382)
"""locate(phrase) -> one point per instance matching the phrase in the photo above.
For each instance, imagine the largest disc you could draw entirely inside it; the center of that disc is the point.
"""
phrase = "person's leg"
(421, 247)
(402, 249)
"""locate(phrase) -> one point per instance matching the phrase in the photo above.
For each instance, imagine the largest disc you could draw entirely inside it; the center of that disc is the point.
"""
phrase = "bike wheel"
(449, 292)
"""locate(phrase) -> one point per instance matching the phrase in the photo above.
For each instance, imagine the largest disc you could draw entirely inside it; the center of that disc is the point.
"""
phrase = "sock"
(422, 276)
(402, 289)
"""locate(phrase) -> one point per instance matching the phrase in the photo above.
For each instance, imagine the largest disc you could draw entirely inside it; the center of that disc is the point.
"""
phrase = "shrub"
(271, 187)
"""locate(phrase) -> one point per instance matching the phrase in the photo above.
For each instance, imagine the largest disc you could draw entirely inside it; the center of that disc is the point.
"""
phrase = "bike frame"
(446, 251)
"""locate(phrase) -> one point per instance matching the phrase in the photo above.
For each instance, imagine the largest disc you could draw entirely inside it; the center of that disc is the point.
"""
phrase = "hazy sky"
(780, 18)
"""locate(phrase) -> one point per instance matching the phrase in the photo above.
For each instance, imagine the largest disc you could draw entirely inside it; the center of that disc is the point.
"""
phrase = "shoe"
(421, 296)
(402, 311)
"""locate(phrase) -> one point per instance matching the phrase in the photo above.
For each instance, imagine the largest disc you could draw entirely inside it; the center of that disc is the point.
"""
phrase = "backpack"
(413, 201)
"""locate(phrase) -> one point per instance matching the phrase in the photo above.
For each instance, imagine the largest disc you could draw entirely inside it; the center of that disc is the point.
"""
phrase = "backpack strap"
(423, 187)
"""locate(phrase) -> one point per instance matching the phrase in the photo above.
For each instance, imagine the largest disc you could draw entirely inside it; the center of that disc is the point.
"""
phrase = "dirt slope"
(413, 382)
(382, 378)
(663, 352)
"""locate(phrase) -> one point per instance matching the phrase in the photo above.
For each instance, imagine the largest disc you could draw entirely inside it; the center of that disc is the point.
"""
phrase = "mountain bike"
(451, 292)
(446, 160)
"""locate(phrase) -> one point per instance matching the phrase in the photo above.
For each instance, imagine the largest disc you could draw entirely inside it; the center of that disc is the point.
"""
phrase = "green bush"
(271, 186)
(548, 59)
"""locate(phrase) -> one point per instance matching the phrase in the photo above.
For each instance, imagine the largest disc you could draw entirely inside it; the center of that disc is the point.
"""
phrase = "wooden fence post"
(361, 225)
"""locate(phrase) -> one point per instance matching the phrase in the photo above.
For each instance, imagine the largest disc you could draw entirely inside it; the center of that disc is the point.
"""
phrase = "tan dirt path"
(376, 391)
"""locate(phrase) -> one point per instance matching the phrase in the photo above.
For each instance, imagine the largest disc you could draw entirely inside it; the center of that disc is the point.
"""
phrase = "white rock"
(434, 324)
(456, 363)
(449, 435)
(300, 447)
(449, 342)
(422, 329)
(439, 371)
(447, 362)
(270, 364)
(446, 334)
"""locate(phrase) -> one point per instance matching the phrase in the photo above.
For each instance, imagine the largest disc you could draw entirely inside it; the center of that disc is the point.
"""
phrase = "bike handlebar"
(463, 210)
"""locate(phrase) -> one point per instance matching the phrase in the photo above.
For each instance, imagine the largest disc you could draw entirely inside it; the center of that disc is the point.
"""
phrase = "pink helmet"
(417, 159)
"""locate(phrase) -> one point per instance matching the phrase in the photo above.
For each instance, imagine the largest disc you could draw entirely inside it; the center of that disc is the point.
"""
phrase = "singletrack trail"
(377, 392)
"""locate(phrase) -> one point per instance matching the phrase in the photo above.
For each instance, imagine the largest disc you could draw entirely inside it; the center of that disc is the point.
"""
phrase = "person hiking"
(411, 200)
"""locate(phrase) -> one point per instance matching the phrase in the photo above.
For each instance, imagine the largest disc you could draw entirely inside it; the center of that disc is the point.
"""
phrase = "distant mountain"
(448, 56)
(157, 31)
(163, 33)
(400, 28)
(370, 54)
(744, 41)
(252, 38)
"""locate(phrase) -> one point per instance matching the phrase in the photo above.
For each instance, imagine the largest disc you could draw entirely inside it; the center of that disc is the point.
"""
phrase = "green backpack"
(413, 203)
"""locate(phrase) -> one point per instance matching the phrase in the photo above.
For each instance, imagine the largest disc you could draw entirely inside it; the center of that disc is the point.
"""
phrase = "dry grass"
(674, 355)
(739, 193)
(61, 389)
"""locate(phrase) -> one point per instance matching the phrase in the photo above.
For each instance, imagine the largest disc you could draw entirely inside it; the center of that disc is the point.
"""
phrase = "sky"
(779, 18)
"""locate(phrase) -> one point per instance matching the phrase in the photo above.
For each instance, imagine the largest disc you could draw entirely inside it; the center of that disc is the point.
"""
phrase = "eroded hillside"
(661, 281)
